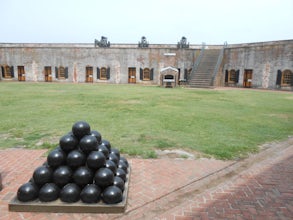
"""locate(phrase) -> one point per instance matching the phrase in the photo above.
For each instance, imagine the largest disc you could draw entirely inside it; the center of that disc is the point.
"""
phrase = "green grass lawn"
(225, 124)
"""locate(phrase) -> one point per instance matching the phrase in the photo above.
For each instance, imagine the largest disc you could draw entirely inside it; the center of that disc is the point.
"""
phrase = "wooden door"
(131, 75)
(48, 74)
(89, 74)
(247, 79)
(21, 73)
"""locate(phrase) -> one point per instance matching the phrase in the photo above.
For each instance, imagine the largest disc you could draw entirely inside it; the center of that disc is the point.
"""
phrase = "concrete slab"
(77, 207)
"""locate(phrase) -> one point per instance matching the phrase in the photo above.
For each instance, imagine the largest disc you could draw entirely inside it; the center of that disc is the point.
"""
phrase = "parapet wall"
(265, 59)
(34, 57)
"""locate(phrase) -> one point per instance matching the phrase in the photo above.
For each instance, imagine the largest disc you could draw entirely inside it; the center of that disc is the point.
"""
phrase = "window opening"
(287, 77)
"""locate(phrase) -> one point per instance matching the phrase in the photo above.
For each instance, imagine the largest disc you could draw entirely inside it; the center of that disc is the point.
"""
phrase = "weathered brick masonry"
(266, 65)
(264, 59)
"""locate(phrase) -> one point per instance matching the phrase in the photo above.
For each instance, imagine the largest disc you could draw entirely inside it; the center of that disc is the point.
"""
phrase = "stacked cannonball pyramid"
(83, 167)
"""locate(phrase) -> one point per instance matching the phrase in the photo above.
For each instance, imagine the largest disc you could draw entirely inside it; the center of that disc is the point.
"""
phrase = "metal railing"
(195, 66)
(220, 59)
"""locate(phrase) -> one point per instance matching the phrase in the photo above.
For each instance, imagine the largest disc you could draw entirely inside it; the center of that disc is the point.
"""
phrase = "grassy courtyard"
(225, 124)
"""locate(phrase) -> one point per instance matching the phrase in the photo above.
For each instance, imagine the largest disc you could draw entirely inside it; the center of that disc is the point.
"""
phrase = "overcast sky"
(160, 21)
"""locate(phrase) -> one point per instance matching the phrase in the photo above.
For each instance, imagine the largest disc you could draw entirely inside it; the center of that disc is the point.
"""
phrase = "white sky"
(161, 21)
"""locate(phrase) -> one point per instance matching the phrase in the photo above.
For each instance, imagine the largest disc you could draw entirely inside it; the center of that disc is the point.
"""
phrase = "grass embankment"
(139, 119)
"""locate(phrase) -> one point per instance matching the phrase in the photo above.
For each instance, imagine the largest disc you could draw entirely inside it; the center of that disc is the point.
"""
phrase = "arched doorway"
(169, 77)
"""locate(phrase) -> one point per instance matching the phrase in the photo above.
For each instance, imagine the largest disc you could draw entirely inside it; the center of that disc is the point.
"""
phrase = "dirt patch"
(176, 153)
(284, 116)
(5, 136)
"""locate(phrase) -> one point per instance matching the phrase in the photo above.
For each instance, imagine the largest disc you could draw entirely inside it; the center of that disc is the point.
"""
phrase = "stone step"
(203, 76)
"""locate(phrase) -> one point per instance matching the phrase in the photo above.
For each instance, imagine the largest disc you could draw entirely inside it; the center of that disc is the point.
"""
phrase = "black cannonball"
(97, 135)
(49, 192)
(58, 148)
(45, 164)
(56, 158)
(114, 158)
(75, 158)
(107, 144)
(96, 160)
(27, 192)
(80, 129)
(111, 165)
(102, 148)
(112, 195)
(104, 177)
(119, 182)
(70, 193)
(116, 152)
(121, 173)
(68, 142)
(124, 160)
(91, 193)
(62, 175)
(123, 166)
(42, 175)
(82, 176)
(88, 144)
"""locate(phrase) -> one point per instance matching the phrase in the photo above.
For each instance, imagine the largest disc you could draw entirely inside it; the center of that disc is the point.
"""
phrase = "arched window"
(232, 76)
(284, 78)
(7, 71)
(287, 77)
(103, 73)
(146, 74)
(61, 72)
